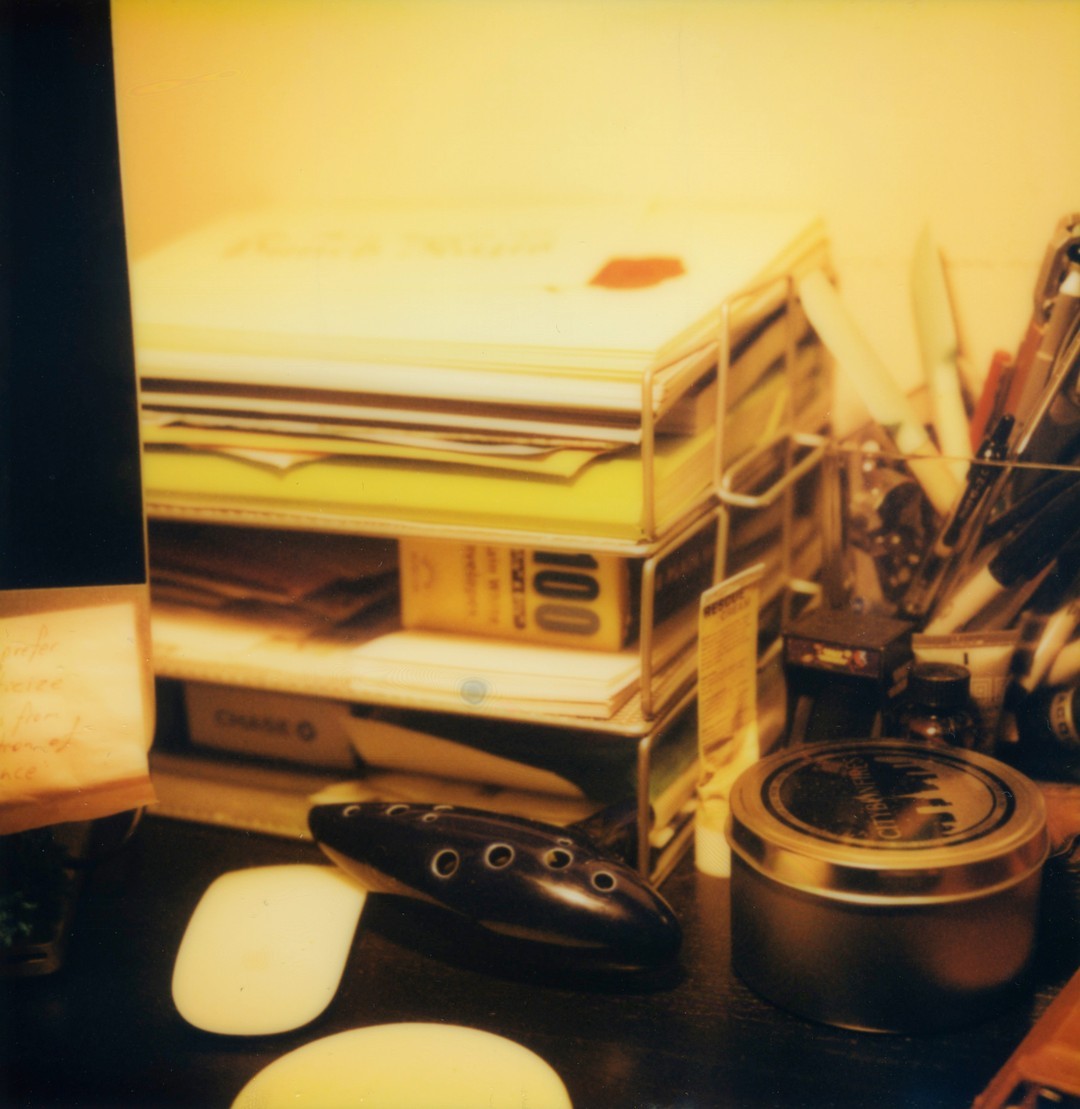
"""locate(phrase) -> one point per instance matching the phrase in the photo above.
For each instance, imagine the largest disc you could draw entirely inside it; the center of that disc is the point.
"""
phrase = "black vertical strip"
(70, 494)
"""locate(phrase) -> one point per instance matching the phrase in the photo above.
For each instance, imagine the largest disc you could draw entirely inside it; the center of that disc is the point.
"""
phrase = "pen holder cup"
(982, 560)
(902, 532)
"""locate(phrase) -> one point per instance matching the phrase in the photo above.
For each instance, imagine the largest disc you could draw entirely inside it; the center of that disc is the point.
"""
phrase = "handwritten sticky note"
(73, 715)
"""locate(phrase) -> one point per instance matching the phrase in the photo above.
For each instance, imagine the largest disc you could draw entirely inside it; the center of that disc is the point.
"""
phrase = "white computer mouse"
(413, 1065)
(265, 948)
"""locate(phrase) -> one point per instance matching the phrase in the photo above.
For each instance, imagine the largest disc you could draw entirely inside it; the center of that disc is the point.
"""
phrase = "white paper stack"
(315, 361)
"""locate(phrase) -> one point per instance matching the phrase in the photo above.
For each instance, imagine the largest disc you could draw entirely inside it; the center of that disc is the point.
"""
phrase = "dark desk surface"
(103, 1031)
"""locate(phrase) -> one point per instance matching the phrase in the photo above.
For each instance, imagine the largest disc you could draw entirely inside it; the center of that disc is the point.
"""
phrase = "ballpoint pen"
(1050, 618)
(1057, 304)
(1051, 435)
(1044, 398)
(1057, 631)
(991, 403)
(957, 526)
(1006, 517)
(1065, 667)
(1053, 428)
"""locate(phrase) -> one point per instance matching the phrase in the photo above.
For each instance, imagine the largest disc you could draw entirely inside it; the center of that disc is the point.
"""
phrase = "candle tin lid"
(887, 820)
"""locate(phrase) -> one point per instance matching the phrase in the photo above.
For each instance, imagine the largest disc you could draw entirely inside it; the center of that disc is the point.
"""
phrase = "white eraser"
(265, 949)
(712, 855)
(407, 1066)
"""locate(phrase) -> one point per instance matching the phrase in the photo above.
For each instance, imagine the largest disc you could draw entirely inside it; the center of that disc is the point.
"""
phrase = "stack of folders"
(459, 460)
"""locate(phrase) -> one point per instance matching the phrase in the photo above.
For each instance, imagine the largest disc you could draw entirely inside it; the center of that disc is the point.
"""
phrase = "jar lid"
(882, 821)
(943, 685)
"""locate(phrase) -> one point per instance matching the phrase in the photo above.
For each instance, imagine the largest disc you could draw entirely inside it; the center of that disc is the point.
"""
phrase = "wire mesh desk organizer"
(668, 525)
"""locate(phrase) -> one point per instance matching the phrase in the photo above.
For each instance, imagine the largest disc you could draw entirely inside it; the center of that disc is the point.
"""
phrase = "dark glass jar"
(937, 708)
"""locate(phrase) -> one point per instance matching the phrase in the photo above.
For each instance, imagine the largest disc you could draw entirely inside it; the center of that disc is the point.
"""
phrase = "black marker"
(1050, 617)
(938, 561)
(1019, 560)
(1026, 507)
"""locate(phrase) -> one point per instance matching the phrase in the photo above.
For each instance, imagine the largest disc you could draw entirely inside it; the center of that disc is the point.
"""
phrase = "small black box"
(843, 670)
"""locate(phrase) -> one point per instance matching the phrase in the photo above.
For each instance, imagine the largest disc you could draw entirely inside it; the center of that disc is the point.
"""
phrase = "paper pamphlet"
(727, 706)
(559, 463)
(604, 499)
(330, 577)
(75, 717)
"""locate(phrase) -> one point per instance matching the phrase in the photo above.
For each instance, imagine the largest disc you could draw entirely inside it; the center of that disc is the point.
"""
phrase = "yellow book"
(573, 599)
(576, 599)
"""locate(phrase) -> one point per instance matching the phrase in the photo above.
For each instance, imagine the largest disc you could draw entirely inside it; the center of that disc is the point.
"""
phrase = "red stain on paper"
(637, 273)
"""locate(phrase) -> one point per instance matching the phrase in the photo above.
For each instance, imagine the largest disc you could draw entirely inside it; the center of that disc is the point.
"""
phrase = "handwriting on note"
(72, 712)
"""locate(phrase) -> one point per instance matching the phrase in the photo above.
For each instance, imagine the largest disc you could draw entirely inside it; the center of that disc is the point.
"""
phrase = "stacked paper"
(308, 358)
(284, 575)
(376, 662)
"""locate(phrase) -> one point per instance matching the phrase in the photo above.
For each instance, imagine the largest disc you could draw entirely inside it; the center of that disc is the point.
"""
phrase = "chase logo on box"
(267, 724)
(303, 730)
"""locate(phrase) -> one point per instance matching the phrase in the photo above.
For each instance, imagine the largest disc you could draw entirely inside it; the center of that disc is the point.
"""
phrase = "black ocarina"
(509, 875)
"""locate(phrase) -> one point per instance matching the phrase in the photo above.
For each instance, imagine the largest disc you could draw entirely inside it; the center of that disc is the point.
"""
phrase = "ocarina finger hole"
(445, 863)
(499, 855)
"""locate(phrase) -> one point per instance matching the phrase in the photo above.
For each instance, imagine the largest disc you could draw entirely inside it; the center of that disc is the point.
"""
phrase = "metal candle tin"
(885, 885)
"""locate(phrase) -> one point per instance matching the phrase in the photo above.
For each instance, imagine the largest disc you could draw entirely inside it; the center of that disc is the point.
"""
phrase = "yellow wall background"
(883, 115)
